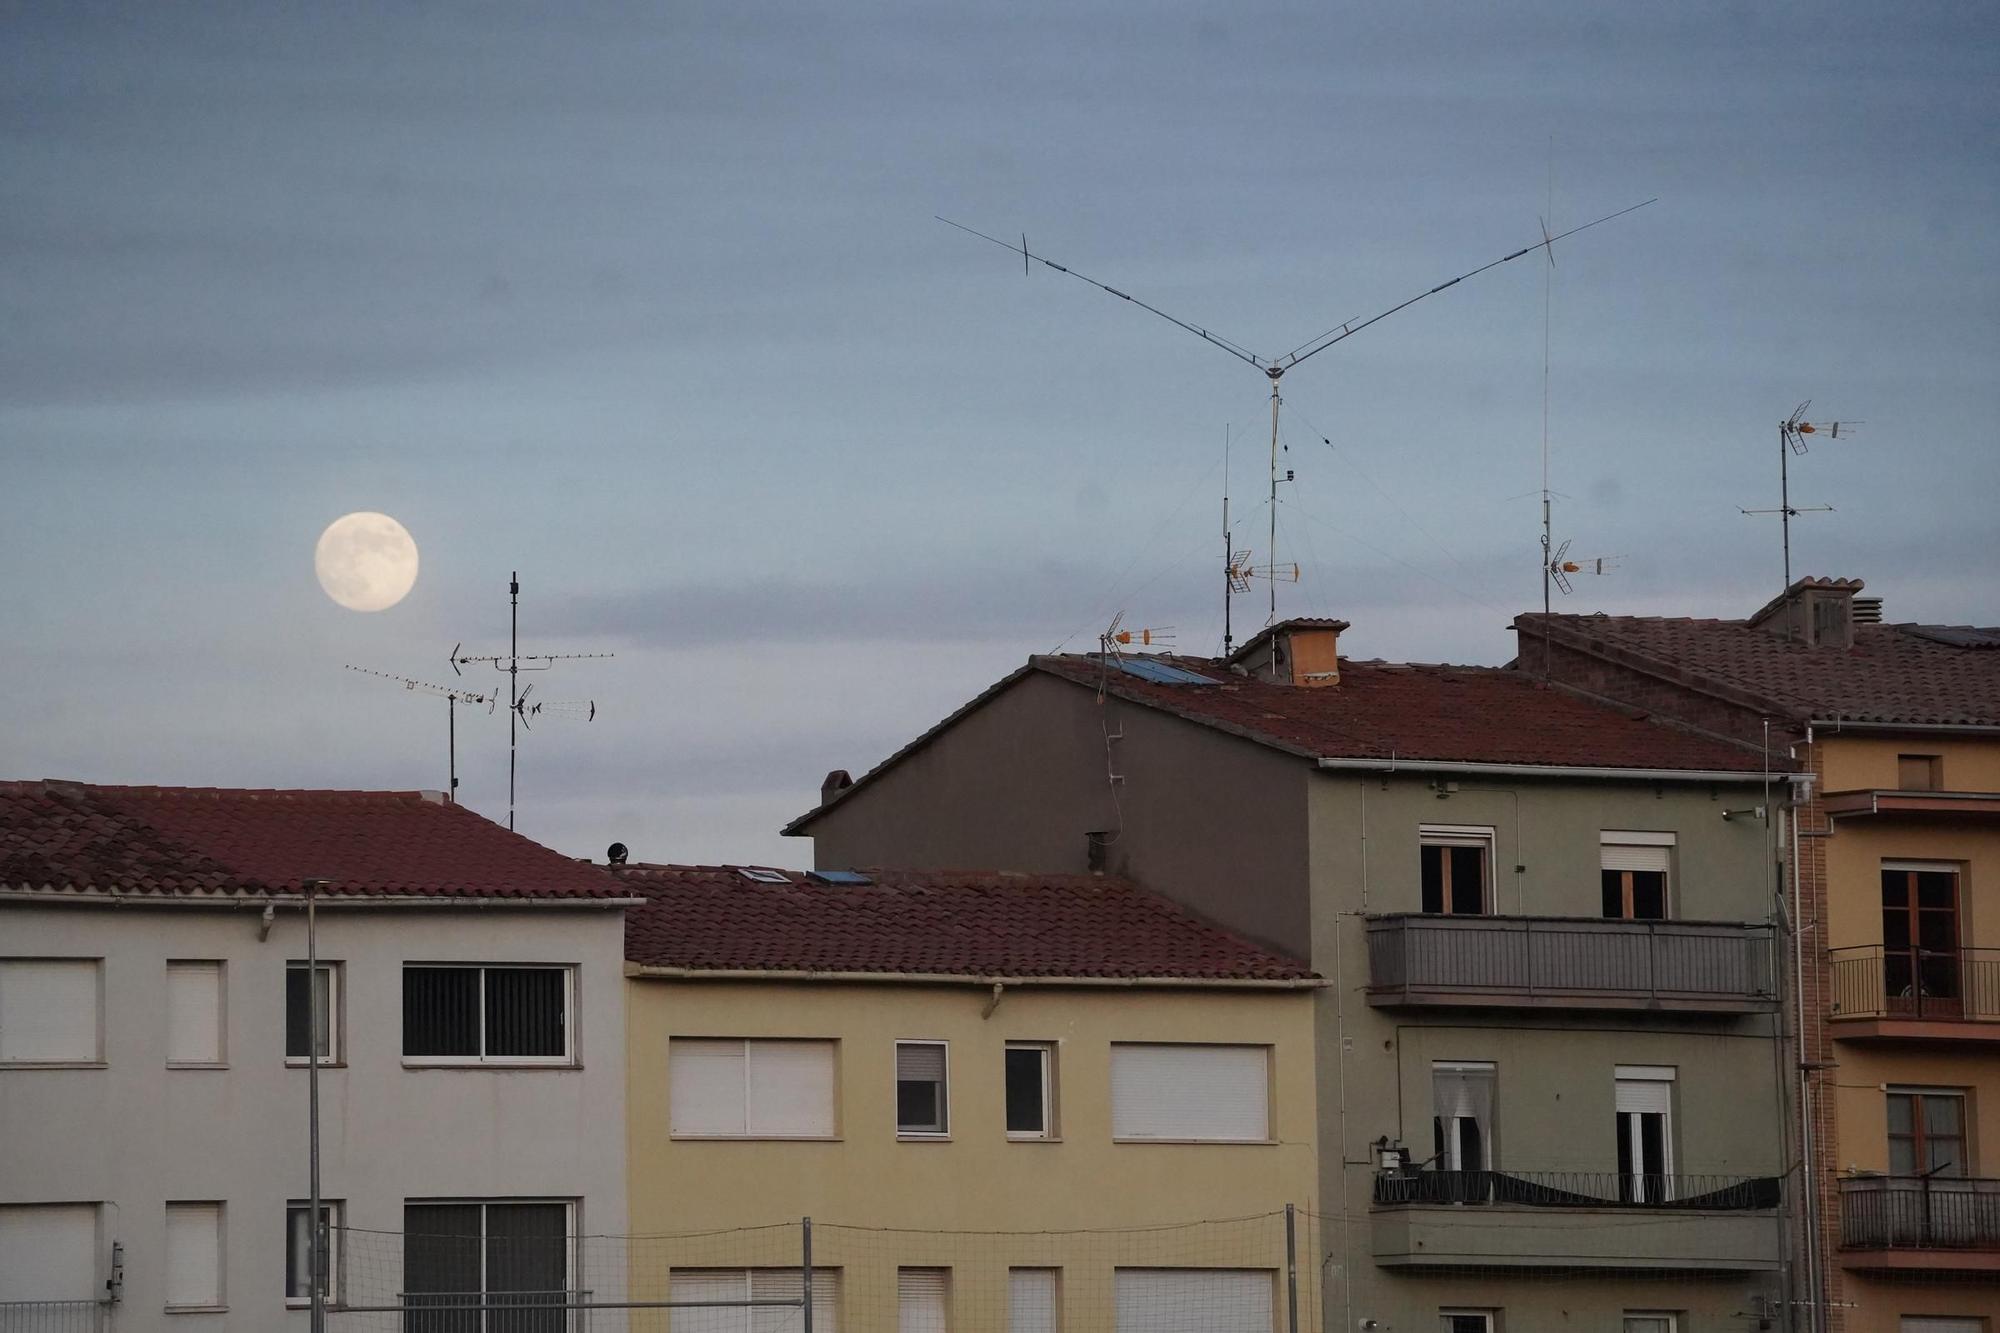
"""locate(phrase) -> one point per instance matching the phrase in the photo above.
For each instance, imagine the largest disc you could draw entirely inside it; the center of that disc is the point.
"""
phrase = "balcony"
(1915, 994)
(1575, 1219)
(1570, 963)
(1920, 1222)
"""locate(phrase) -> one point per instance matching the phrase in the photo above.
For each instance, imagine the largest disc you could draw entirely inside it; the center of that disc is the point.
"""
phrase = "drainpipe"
(1808, 1177)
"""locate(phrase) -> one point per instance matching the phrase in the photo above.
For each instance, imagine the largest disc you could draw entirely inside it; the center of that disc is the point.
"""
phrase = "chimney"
(1294, 652)
(835, 783)
(1819, 613)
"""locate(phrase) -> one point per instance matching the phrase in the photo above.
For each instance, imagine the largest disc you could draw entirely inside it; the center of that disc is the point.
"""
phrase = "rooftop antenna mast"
(1792, 432)
(1274, 367)
(452, 698)
(514, 662)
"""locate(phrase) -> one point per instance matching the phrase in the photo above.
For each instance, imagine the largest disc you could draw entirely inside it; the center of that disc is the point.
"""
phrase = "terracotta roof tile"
(187, 841)
(976, 924)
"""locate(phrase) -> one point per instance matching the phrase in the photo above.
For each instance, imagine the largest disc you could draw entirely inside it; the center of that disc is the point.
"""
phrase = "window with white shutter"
(48, 1252)
(1195, 1300)
(1031, 1300)
(1645, 1133)
(195, 1015)
(922, 1098)
(1208, 1093)
(1916, 1323)
(1635, 873)
(194, 1256)
(753, 1284)
(49, 1011)
(759, 1089)
(301, 1003)
(1652, 1321)
(1462, 1094)
(922, 1298)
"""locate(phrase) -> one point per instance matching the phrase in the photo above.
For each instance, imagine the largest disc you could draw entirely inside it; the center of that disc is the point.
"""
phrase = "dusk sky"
(648, 303)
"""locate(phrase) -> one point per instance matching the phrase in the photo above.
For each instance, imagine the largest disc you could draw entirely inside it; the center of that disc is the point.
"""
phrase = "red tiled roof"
(937, 923)
(188, 841)
(1914, 674)
(1381, 710)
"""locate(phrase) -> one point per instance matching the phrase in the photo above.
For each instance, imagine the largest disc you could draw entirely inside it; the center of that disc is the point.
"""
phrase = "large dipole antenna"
(1792, 432)
(1274, 367)
(453, 698)
(514, 662)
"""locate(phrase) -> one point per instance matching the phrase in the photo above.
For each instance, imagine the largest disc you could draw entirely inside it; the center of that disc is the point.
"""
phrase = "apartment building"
(1549, 1061)
(155, 1032)
(1007, 1103)
(1899, 851)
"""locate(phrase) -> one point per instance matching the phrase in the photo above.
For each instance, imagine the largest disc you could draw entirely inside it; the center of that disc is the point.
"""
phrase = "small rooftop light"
(763, 875)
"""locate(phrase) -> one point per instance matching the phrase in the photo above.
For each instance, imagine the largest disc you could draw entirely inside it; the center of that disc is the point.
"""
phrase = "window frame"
(334, 1209)
(567, 1060)
(943, 1274)
(1270, 1054)
(1932, 776)
(1920, 1138)
(96, 1059)
(1672, 1317)
(833, 1134)
(1630, 1134)
(221, 969)
(572, 1239)
(1667, 843)
(943, 1131)
(1485, 838)
(1051, 1131)
(826, 1277)
(336, 1026)
(220, 1210)
(1489, 1314)
(1054, 1276)
(1452, 1158)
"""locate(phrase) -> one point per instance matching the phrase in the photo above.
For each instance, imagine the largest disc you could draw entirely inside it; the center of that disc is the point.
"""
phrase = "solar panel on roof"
(1958, 636)
(839, 877)
(1160, 673)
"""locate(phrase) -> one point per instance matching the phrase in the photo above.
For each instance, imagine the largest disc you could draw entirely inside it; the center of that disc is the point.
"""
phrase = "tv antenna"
(1792, 432)
(452, 698)
(514, 662)
(1560, 567)
(1274, 367)
(1237, 571)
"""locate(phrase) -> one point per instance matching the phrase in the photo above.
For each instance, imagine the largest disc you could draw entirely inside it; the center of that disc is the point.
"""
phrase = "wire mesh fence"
(52, 1316)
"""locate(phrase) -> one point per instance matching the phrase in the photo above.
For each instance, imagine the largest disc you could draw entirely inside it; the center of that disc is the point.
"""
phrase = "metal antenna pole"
(317, 1261)
(1228, 555)
(1785, 496)
(1274, 372)
(513, 680)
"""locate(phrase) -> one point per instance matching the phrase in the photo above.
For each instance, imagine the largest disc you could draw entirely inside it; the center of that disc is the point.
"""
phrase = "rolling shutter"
(706, 1088)
(920, 1300)
(48, 1010)
(1031, 1300)
(1644, 1089)
(1631, 856)
(194, 1254)
(1161, 1091)
(194, 1013)
(791, 1088)
(1195, 1300)
(48, 1252)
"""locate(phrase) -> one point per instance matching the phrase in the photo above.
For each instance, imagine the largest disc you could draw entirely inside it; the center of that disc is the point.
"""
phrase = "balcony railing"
(1929, 985)
(1576, 1189)
(1919, 1213)
(1570, 962)
(52, 1316)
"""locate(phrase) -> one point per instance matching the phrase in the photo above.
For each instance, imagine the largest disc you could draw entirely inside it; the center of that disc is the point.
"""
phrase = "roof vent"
(616, 854)
(836, 782)
(1868, 610)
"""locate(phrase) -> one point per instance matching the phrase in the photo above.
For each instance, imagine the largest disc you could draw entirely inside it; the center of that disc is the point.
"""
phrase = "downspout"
(1808, 1179)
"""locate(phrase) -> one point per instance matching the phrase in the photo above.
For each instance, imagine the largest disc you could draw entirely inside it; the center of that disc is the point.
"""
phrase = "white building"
(153, 1085)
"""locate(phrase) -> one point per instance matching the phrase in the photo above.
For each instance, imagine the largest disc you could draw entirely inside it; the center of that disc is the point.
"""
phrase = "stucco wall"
(135, 1134)
(1855, 761)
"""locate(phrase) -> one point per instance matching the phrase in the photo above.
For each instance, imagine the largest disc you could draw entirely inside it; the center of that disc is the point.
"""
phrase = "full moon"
(366, 561)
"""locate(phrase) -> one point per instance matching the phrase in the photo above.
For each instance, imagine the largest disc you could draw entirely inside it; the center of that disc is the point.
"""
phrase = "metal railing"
(1919, 1213)
(496, 1311)
(1570, 960)
(1577, 1189)
(1938, 985)
(52, 1316)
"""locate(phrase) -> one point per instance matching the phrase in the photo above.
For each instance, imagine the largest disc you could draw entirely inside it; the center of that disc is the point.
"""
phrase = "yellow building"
(1005, 1102)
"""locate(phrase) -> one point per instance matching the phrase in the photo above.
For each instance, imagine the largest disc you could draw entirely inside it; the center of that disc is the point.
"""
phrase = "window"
(466, 1015)
(1927, 1133)
(752, 1284)
(49, 1011)
(298, 1014)
(1212, 1093)
(194, 1256)
(1462, 1123)
(922, 1299)
(1030, 1090)
(455, 1253)
(1920, 937)
(1635, 874)
(920, 1088)
(1920, 772)
(1032, 1301)
(298, 1250)
(1468, 1321)
(195, 1016)
(1457, 868)
(48, 1252)
(1917, 1323)
(1195, 1300)
(750, 1089)
(1651, 1321)
(1645, 1140)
